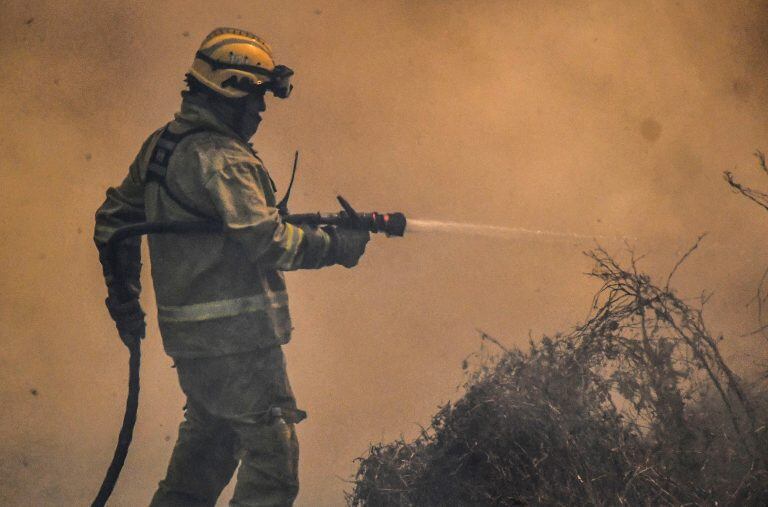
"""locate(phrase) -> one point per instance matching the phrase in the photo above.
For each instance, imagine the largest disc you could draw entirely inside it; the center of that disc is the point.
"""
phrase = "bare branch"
(682, 259)
(761, 159)
(754, 195)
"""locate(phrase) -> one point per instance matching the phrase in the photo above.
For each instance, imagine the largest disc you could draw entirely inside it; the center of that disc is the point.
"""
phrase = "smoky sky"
(596, 118)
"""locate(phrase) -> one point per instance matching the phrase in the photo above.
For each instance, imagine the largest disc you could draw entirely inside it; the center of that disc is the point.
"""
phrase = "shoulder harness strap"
(158, 165)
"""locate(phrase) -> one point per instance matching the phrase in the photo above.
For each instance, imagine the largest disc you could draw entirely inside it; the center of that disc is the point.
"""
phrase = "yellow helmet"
(235, 63)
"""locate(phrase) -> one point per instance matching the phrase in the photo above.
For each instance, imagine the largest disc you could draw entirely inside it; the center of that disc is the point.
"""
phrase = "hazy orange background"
(597, 118)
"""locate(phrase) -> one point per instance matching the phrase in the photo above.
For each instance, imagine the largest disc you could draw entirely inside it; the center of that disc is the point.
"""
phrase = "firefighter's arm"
(124, 205)
(240, 200)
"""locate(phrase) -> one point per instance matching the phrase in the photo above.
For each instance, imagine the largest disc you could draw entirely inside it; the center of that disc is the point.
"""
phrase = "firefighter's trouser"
(231, 418)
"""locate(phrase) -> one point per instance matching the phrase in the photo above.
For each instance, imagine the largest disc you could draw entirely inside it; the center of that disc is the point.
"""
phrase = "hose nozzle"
(391, 224)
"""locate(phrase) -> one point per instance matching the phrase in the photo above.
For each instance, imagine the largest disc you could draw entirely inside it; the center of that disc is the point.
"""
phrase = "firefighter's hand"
(347, 245)
(129, 319)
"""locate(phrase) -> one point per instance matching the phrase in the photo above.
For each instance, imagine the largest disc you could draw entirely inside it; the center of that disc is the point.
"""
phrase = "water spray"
(495, 231)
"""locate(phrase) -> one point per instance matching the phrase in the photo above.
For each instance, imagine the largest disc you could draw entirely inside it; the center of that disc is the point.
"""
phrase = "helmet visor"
(280, 81)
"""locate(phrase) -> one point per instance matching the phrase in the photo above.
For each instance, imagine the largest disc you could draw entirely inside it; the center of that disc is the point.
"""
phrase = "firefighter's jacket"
(217, 294)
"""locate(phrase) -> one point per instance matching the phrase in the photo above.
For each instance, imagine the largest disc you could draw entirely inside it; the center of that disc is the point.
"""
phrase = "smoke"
(589, 118)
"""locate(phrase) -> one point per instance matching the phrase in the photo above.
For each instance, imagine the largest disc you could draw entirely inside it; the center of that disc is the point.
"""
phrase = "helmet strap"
(237, 117)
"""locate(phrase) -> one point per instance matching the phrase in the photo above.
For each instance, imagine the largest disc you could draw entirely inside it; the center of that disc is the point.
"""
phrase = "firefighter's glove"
(347, 245)
(129, 319)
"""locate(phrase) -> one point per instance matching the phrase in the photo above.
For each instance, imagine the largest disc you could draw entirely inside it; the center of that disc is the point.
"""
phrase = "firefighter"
(221, 298)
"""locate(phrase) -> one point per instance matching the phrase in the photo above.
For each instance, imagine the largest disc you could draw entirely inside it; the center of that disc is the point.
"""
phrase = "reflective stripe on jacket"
(217, 294)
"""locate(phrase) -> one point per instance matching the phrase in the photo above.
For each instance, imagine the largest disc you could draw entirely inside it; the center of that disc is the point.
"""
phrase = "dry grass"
(635, 407)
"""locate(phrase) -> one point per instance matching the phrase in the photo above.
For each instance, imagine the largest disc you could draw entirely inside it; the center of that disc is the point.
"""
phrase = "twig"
(682, 259)
(753, 195)
(486, 336)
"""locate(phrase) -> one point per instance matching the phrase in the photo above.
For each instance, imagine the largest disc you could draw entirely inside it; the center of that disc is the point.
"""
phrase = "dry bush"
(635, 407)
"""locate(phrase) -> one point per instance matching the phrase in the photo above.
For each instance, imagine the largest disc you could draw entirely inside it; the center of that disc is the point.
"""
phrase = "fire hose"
(391, 224)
